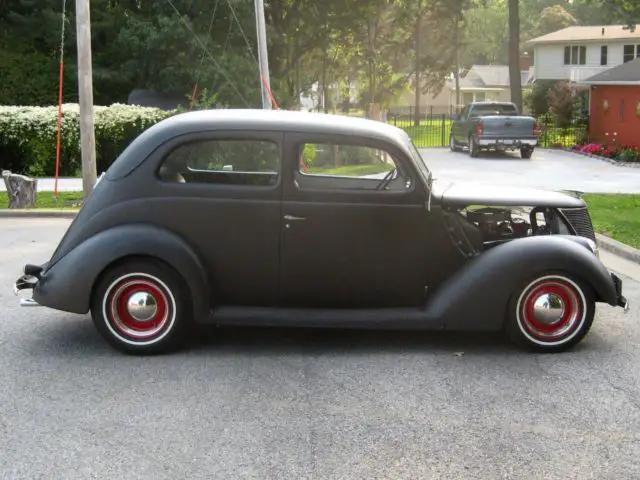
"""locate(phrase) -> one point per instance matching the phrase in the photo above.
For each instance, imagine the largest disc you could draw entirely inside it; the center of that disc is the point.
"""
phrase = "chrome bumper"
(28, 281)
(507, 142)
(621, 299)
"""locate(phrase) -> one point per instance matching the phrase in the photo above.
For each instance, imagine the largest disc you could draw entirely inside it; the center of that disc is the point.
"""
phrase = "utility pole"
(85, 90)
(418, 90)
(263, 57)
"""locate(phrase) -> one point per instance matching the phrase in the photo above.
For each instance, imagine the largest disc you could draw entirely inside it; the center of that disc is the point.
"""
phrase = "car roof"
(251, 119)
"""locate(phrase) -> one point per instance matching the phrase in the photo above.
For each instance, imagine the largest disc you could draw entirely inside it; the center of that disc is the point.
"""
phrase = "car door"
(221, 192)
(346, 244)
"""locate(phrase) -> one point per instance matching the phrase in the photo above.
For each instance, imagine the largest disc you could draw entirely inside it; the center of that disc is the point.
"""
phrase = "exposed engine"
(498, 224)
(479, 228)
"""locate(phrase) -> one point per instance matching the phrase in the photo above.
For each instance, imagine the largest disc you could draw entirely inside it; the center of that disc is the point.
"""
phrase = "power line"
(233, 12)
(204, 47)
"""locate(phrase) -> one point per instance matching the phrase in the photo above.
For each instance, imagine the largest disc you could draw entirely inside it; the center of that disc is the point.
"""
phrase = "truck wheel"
(141, 307)
(550, 313)
(526, 152)
(474, 149)
(452, 144)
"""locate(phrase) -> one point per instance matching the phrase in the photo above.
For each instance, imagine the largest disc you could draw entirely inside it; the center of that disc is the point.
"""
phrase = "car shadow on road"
(77, 336)
(492, 155)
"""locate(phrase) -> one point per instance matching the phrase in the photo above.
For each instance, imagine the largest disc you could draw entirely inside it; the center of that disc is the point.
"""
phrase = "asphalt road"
(281, 404)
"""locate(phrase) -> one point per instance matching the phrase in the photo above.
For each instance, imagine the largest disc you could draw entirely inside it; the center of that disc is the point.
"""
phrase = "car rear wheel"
(550, 313)
(474, 149)
(141, 307)
(526, 152)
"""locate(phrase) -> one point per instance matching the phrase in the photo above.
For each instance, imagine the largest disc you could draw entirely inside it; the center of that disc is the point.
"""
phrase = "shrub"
(628, 154)
(28, 136)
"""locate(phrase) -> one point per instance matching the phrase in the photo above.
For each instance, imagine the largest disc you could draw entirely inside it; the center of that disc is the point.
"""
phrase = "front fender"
(476, 296)
(67, 285)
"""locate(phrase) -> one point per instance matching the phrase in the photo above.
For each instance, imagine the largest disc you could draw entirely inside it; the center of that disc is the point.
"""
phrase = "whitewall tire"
(141, 306)
(550, 313)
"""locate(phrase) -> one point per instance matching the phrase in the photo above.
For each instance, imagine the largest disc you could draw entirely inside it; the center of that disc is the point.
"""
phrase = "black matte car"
(258, 217)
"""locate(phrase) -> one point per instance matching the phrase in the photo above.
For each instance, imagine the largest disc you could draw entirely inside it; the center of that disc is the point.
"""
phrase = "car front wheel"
(453, 146)
(141, 307)
(550, 313)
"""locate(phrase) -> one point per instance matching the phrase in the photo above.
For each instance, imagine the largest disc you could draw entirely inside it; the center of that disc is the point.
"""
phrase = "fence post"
(444, 136)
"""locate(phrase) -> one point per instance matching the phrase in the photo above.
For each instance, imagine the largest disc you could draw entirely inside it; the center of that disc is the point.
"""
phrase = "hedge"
(28, 136)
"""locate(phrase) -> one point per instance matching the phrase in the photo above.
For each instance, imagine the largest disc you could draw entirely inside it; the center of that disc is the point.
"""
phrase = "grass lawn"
(65, 200)
(617, 216)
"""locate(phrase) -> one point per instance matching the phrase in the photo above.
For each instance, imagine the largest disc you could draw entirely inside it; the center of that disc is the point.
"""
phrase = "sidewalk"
(47, 185)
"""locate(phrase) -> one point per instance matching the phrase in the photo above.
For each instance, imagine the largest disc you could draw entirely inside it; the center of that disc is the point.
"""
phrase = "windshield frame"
(417, 158)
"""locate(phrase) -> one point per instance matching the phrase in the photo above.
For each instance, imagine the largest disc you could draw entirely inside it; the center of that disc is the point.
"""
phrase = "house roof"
(626, 74)
(485, 76)
(587, 33)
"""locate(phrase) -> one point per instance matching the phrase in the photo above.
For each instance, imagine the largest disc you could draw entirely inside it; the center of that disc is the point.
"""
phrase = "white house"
(576, 53)
(479, 83)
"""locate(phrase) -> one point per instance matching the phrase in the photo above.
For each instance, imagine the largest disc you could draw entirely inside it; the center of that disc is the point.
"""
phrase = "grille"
(580, 220)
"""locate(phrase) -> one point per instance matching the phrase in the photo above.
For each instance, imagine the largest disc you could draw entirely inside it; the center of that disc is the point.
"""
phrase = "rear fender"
(68, 284)
(476, 296)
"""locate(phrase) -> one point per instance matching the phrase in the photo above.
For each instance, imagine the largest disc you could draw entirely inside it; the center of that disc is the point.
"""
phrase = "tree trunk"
(374, 111)
(20, 189)
(456, 72)
(337, 161)
(515, 81)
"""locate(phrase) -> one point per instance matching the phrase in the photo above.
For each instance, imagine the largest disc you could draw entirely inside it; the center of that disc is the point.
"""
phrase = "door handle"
(293, 219)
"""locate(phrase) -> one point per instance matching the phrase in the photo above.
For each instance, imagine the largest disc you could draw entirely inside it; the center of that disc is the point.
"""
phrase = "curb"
(37, 213)
(618, 248)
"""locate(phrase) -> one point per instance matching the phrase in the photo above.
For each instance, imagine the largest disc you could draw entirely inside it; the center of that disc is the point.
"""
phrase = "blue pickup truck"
(494, 126)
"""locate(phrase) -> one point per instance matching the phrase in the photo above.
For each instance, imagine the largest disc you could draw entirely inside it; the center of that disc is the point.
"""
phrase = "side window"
(223, 161)
(352, 167)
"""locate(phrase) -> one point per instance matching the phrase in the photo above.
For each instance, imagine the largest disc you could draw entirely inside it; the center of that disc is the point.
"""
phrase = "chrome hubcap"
(142, 306)
(548, 308)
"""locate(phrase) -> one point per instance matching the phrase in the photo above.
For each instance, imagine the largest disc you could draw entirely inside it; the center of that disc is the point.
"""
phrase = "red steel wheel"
(139, 307)
(142, 306)
(552, 313)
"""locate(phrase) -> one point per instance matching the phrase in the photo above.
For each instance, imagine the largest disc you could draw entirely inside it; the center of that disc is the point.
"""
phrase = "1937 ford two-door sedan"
(257, 217)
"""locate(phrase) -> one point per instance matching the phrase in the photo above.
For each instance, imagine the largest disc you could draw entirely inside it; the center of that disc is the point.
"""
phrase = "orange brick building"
(614, 105)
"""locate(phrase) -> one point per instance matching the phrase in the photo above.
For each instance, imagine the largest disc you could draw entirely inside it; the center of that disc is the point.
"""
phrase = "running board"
(380, 318)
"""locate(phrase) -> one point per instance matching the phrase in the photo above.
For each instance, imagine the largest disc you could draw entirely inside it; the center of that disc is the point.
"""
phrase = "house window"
(480, 96)
(604, 51)
(575, 55)
(630, 52)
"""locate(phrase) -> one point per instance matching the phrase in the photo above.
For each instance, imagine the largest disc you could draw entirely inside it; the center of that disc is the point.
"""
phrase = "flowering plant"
(621, 153)
(28, 135)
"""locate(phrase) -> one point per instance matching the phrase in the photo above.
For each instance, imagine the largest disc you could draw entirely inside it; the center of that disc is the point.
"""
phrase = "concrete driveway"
(282, 404)
(551, 169)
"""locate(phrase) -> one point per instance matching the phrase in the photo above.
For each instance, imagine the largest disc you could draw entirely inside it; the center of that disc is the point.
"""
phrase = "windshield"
(417, 158)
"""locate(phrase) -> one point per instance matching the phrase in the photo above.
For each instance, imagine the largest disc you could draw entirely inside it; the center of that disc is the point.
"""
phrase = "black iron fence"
(432, 126)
